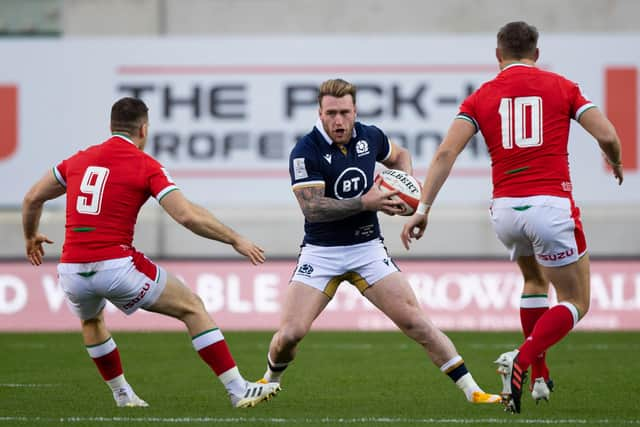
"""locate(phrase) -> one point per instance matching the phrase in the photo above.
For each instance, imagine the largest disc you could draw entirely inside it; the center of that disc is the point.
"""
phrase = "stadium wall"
(225, 112)
(243, 17)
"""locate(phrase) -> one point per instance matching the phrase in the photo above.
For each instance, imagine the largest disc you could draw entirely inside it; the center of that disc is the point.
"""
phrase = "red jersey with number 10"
(524, 116)
(107, 184)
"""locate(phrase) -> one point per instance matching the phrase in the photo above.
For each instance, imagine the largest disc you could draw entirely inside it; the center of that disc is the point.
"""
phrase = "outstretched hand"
(377, 200)
(35, 248)
(249, 249)
(413, 228)
(618, 172)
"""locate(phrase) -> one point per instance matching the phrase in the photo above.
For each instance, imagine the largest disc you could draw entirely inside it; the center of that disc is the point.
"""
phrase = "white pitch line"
(581, 347)
(332, 421)
(28, 385)
(475, 346)
(363, 346)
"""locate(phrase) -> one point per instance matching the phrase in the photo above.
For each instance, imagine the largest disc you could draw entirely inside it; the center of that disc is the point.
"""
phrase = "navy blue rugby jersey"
(315, 159)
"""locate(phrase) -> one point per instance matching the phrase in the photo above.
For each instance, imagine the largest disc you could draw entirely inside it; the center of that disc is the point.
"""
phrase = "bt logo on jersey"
(8, 121)
(350, 184)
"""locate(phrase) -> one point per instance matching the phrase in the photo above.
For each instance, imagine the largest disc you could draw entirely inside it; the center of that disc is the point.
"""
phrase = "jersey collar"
(324, 134)
(517, 64)
(119, 135)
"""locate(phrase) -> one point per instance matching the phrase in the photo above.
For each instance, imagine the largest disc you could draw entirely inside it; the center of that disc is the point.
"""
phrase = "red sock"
(550, 328)
(539, 367)
(218, 357)
(107, 359)
(532, 307)
(213, 349)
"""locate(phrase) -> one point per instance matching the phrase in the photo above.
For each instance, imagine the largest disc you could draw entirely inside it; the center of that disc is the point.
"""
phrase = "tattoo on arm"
(318, 208)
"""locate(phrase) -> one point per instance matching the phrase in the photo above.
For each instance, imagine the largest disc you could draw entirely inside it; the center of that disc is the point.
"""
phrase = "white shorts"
(325, 267)
(129, 283)
(548, 227)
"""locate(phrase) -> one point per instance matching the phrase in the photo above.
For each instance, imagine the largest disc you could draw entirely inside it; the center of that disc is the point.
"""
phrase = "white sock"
(117, 383)
(233, 381)
(468, 385)
(274, 376)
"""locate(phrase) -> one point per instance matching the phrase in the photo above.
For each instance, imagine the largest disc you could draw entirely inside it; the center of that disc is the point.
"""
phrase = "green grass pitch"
(339, 378)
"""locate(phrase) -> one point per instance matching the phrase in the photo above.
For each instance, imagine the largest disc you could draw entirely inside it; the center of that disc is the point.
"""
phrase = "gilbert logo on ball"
(409, 188)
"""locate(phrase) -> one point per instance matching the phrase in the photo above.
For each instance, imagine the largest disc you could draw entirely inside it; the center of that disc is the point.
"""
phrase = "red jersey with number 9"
(524, 115)
(107, 184)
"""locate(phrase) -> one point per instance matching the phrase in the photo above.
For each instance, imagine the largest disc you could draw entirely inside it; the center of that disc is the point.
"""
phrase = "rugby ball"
(409, 188)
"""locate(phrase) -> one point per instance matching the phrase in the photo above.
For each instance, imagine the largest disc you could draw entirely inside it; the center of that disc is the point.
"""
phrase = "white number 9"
(92, 188)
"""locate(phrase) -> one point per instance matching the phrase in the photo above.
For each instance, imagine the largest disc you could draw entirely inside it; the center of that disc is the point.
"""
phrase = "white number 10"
(521, 121)
(92, 186)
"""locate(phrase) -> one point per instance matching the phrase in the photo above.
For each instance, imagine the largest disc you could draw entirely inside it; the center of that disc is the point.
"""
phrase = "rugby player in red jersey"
(524, 115)
(106, 185)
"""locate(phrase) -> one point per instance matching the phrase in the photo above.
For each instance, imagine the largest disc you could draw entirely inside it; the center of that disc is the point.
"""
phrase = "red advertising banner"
(8, 121)
(457, 295)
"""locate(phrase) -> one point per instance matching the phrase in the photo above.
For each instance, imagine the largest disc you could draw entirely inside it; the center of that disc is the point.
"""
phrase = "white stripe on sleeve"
(59, 177)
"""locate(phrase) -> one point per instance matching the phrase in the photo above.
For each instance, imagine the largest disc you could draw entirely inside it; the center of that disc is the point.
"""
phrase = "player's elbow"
(401, 160)
(31, 199)
(180, 209)
(188, 220)
(28, 200)
(311, 215)
(601, 128)
(445, 156)
(608, 140)
(313, 212)
(187, 217)
(403, 155)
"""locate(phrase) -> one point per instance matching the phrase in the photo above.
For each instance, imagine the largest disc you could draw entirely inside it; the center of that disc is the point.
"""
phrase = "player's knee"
(189, 305)
(195, 304)
(292, 334)
(413, 325)
(580, 304)
(94, 323)
(583, 307)
(537, 284)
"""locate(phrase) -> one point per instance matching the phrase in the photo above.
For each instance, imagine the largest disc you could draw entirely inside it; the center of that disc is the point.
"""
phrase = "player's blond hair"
(337, 88)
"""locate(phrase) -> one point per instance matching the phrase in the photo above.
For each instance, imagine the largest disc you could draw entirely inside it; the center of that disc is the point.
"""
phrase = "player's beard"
(342, 137)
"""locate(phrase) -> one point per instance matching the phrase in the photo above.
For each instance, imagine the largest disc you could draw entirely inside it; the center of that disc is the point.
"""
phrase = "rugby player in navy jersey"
(332, 177)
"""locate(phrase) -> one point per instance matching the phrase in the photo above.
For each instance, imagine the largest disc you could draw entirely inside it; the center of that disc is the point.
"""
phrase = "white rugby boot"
(254, 394)
(541, 389)
(126, 398)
